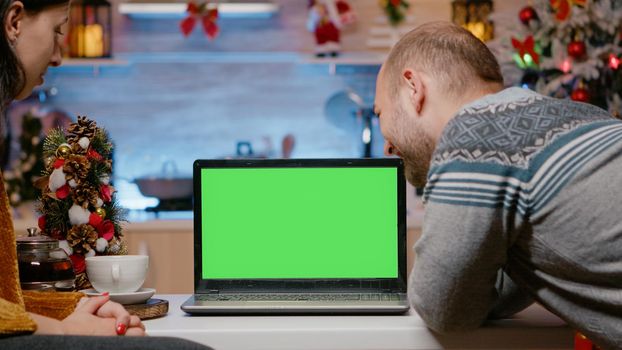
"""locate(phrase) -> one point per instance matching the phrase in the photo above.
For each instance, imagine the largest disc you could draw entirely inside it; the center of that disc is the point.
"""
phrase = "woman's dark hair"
(12, 77)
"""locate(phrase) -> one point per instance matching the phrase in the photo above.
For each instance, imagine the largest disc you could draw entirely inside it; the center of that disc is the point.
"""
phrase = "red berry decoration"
(580, 95)
(576, 49)
(527, 14)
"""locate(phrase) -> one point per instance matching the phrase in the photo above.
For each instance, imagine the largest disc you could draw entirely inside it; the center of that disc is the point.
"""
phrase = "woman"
(30, 42)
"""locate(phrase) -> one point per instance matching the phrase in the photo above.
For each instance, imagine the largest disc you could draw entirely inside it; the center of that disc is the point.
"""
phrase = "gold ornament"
(63, 151)
(101, 212)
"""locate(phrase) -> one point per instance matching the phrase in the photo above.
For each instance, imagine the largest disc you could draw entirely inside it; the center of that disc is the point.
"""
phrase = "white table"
(534, 328)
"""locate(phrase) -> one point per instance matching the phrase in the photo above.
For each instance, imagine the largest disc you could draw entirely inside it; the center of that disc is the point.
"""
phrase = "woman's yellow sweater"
(15, 304)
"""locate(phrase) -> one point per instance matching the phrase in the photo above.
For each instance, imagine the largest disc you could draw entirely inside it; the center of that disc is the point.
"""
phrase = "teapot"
(43, 265)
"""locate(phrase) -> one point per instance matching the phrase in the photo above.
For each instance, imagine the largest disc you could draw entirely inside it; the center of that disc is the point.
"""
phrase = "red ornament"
(41, 223)
(106, 230)
(63, 192)
(527, 14)
(582, 343)
(576, 49)
(580, 95)
(95, 220)
(78, 262)
(106, 193)
(92, 154)
(59, 163)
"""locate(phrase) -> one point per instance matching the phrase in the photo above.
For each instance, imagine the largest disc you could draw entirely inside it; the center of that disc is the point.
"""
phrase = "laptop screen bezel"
(398, 284)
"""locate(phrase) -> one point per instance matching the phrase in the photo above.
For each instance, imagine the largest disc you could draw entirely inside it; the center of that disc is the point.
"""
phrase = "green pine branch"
(56, 214)
(55, 138)
(116, 214)
(101, 143)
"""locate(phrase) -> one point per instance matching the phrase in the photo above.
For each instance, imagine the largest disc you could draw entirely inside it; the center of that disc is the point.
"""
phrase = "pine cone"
(85, 194)
(82, 281)
(84, 127)
(82, 238)
(117, 246)
(76, 168)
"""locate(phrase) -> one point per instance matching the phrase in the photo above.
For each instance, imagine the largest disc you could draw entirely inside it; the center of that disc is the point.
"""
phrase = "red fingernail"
(121, 329)
(105, 294)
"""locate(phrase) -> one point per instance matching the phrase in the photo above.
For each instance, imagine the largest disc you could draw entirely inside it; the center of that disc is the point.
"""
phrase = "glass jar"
(43, 265)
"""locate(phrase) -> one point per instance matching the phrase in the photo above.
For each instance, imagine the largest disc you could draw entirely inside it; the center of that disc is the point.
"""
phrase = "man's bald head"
(455, 59)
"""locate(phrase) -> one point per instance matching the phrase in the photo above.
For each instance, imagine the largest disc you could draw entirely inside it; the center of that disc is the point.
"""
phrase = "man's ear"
(416, 88)
(13, 21)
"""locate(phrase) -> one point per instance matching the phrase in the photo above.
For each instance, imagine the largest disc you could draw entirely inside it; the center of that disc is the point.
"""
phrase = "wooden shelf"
(226, 9)
(92, 62)
(347, 59)
(95, 63)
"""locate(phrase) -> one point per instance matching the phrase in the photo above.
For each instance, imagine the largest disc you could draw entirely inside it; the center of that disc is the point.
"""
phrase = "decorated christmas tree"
(571, 48)
(28, 166)
(77, 205)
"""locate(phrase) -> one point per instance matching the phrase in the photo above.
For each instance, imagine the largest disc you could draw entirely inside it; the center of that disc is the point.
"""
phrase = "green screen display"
(299, 223)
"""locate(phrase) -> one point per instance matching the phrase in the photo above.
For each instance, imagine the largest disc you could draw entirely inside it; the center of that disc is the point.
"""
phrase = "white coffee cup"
(117, 273)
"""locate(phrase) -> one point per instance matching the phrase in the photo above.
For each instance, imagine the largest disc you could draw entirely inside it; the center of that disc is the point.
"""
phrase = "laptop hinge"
(213, 291)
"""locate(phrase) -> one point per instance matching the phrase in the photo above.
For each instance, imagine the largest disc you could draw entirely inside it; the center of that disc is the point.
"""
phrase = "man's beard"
(416, 148)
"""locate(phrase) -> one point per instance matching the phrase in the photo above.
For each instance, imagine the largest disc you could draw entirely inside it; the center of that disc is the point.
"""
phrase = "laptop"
(299, 236)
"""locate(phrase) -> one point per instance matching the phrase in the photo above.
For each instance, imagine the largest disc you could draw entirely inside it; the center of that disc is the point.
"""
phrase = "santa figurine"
(326, 18)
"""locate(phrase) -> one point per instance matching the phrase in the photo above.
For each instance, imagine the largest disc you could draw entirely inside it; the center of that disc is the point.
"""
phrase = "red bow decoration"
(104, 228)
(527, 47)
(93, 154)
(59, 163)
(562, 7)
(106, 193)
(63, 192)
(207, 16)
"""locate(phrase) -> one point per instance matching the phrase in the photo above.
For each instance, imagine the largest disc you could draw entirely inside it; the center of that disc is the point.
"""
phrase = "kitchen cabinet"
(169, 244)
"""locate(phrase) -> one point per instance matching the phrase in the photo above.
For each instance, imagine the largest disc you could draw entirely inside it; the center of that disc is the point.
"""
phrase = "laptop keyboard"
(300, 297)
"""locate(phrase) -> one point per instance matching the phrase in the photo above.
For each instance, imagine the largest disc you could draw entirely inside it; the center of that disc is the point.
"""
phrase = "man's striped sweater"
(524, 198)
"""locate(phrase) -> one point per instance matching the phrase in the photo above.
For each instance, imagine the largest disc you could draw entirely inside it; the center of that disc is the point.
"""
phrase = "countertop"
(534, 328)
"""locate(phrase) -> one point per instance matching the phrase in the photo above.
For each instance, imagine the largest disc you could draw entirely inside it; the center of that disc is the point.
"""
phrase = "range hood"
(226, 9)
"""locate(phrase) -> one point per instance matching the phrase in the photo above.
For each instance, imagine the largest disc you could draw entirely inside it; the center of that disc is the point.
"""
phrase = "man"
(521, 190)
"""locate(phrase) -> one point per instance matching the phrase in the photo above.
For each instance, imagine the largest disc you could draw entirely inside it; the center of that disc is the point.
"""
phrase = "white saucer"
(137, 297)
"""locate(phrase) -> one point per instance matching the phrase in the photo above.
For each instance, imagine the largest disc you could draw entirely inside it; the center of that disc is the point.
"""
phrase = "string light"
(566, 66)
(614, 61)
